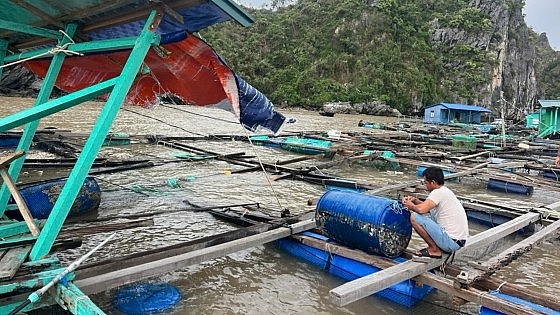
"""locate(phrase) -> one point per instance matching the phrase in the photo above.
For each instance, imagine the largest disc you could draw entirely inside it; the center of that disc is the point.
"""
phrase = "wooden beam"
(365, 286)
(510, 254)
(12, 260)
(15, 192)
(127, 275)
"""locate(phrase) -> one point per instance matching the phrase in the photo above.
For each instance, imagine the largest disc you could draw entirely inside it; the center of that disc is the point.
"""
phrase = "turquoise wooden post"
(102, 126)
(3, 50)
(31, 128)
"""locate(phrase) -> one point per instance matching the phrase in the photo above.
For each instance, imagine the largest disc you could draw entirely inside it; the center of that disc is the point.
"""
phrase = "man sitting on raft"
(447, 229)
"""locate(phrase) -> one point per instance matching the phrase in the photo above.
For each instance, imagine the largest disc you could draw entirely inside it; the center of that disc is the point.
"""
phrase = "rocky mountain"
(406, 54)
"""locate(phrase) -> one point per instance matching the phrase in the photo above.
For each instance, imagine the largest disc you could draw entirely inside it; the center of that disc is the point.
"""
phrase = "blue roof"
(549, 103)
(471, 108)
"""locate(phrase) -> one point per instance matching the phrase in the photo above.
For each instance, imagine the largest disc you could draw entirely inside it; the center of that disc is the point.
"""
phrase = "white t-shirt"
(449, 213)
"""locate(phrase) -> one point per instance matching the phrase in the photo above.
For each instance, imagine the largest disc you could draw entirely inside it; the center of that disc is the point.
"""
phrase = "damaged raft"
(376, 225)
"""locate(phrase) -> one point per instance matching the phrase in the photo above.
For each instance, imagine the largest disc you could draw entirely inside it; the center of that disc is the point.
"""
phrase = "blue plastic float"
(405, 293)
(509, 187)
(146, 298)
(536, 307)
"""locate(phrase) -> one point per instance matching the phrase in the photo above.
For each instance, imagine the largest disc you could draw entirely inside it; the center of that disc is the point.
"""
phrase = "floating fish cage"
(406, 293)
(509, 187)
(464, 142)
(307, 145)
(373, 224)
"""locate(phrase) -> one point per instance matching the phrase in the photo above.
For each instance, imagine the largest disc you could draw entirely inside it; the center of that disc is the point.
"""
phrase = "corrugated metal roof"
(549, 103)
(471, 108)
(101, 19)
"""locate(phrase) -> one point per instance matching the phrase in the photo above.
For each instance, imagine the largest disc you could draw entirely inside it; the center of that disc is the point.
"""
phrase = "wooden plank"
(15, 228)
(134, 259)
(510, 254)
(124, 276)
(365, 286)
(476, 296)
(554, 206)
(19, 201)
(17, 241)
(12, 260)
(9, 158)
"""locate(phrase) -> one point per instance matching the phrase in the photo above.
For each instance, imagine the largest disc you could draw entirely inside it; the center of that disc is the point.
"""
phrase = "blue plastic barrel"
(373, 224)
(41, 197)
(509, 187)
(146, 298)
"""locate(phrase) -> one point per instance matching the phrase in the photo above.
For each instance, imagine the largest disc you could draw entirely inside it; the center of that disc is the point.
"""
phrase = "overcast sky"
(541, 15)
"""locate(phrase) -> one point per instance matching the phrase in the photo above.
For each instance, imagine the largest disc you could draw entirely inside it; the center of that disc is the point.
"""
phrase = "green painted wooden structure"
(549, 118)
(35, 23)
(69, 295)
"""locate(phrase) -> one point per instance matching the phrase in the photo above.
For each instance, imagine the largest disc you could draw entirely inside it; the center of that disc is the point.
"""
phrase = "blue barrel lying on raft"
(373, 224)
(406, 293)
(40, 198)
(509, 187)
(541, 309)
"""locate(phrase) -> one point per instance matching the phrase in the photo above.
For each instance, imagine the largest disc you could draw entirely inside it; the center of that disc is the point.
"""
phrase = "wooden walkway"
(365, 286)
(95, 283)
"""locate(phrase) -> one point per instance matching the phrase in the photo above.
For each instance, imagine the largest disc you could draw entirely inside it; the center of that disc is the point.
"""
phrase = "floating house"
(445, 113)
(549, 118)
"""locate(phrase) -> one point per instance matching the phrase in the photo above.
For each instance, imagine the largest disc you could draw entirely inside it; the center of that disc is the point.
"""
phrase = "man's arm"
(420, 207)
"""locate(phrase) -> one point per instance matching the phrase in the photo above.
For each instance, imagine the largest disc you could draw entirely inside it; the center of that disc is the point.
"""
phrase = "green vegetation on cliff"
(319, 51)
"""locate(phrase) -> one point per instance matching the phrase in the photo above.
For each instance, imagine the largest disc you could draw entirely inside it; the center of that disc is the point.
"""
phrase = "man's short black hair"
(434, 173)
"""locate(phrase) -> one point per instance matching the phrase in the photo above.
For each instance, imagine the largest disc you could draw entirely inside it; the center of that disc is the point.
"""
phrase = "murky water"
(261, 280)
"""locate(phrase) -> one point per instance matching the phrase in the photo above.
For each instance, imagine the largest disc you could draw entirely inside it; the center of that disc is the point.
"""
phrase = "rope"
(53, 51)
(262, 167)
(500, 286)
